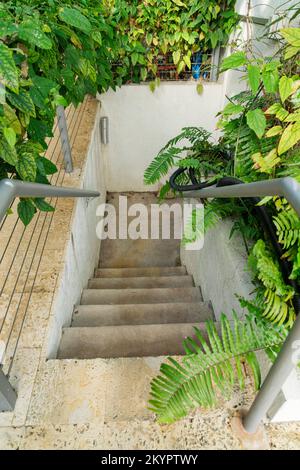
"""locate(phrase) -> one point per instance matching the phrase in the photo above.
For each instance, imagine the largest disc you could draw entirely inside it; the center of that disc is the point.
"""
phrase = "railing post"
(8, 396)
(286, 361)
(64, 138)
(215, 62)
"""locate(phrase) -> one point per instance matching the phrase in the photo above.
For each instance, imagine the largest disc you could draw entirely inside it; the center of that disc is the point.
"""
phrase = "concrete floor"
(127, 253)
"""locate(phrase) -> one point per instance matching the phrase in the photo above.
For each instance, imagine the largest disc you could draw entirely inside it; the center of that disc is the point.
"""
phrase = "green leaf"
(256, 120)
(233, 61)
(292, 36)
(273, 109)
(10, 136)
(134, 58)
(187, 61)
(270, 80)
(290, 52)
(180, 67)
(176, 57)
(285, 87)
(253, 77)
(9, 75)
(152, 86)
(12, 120)
(179, 3)
(7, 153)
(144, 74)
(42, 205)
(274, 131)
(31, 32)
(45, 166)
(26, 211)
(200, 88)
(232, 108)
(282, 114)
(290, 136)
(40, 90)
(76, 19)
(22, 101)
(26, 167)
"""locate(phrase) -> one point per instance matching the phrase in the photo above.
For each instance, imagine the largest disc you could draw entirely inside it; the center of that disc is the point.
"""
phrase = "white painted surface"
(220, 268)
(82, 253)
(141, 122)
(287, 405)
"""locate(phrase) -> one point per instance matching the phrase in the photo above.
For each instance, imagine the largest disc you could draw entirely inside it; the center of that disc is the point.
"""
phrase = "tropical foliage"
(261, 133)
(55, 52)
(153, 28)
(212, 366)
(51, 53)
(260, 139)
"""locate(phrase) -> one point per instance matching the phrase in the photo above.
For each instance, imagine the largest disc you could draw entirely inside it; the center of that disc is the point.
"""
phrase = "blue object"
(196, 65)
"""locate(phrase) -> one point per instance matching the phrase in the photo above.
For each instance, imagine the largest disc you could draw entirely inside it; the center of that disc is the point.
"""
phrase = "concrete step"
(140, 272)
(140, 296)
(141, 282)
(141, 314)
(125, 341)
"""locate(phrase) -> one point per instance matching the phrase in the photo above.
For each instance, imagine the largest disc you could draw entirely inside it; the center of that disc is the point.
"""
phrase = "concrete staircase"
(135, 310)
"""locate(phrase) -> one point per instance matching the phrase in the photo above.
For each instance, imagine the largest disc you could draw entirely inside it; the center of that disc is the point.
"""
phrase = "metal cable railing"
(49, 216)
(23, 248)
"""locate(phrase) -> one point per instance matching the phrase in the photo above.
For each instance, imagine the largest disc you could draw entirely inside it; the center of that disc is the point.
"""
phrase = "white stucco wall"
(220, 269)
(141, 122)
(82, 252)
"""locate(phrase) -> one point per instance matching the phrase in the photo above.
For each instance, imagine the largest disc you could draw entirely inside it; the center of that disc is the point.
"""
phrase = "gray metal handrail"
(289, 188)
(9, 190)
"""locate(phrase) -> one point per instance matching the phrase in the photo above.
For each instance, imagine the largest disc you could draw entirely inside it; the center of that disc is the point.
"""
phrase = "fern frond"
(189, 162)
(277, 295)
(212, 366)
(194, 227)
(296, 265)
(164, 190)
(161, 164)
(287, 224)
(192, 134)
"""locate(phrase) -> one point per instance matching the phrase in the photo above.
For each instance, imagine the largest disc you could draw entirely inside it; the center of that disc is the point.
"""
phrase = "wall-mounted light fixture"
(104, 130)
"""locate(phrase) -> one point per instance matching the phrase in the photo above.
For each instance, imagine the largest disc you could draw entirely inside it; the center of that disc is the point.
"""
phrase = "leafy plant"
(212, 366)
(260, 133)
(51, 53)
(55, 52)
(278, 306)
(156, 28)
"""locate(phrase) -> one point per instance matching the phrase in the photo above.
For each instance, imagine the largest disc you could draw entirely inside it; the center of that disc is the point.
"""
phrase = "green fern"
(161, 164)
(170, 154)
(193, 230)
(287, 223)
(212, 367)
(192, 134)
(277, 295)
(295, 274)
